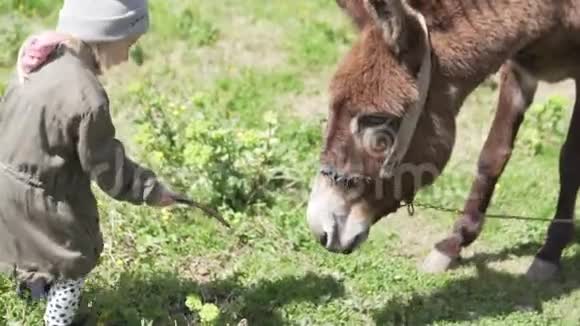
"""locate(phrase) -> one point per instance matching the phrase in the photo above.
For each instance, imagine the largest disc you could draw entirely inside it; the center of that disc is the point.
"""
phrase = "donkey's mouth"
(340, 227)
(341, 243)
(354, 244)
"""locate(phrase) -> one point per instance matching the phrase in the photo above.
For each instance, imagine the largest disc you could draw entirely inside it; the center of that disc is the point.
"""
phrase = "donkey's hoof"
(542, 270)
(437, 262)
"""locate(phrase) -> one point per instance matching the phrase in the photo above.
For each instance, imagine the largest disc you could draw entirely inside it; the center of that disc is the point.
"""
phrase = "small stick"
(210, 212)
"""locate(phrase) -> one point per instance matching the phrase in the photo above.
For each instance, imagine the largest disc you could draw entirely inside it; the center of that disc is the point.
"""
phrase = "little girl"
(56, 135)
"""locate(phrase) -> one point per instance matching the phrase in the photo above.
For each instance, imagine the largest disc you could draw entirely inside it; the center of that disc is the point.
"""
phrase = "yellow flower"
(165, 215)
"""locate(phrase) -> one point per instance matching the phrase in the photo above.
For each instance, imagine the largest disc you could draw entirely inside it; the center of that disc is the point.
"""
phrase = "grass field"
(225, 99)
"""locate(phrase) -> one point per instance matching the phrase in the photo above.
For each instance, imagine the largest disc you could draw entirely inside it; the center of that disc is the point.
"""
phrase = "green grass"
(209, 101)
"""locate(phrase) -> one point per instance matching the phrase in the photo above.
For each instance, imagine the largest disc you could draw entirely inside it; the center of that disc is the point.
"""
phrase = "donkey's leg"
(517, 89)
(560, 234)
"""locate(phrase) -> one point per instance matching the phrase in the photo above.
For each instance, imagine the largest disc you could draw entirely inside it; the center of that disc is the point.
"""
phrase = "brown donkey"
(395, 96)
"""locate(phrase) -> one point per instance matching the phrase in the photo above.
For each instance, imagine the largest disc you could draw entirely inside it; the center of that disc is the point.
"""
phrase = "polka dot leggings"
(63, 302)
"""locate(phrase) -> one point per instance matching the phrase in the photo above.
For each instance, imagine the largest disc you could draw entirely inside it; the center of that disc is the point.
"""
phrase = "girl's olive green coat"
(56, 134)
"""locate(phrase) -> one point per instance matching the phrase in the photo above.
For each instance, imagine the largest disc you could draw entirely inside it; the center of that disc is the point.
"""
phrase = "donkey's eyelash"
(373, 120)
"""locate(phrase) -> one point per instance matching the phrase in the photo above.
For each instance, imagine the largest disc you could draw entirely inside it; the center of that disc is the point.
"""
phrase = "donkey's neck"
(473, 38)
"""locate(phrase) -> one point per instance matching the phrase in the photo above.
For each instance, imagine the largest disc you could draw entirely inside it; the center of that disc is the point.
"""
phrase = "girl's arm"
(103, 157)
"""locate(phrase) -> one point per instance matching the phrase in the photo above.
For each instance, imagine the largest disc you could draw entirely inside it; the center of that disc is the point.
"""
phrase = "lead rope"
(411, 210)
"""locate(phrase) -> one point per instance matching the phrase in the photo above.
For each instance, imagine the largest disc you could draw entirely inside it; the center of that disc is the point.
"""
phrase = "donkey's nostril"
(323, 239)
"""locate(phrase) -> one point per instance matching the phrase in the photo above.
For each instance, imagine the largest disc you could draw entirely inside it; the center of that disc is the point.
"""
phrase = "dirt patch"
(252, 43)
(417, 234)
(566, 88)
(314, 101)
(243, 43)
(204, 269)
(207, 268)
(310, 104)
(512, 264)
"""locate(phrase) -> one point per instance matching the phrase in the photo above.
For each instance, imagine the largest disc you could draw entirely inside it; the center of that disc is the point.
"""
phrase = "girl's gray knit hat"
(104, 20)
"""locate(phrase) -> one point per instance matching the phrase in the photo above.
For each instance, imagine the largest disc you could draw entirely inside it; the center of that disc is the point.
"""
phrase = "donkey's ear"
(399, 22)
(356, 10)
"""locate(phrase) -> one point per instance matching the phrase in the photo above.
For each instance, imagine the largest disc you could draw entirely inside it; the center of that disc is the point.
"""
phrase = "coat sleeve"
(103, 157)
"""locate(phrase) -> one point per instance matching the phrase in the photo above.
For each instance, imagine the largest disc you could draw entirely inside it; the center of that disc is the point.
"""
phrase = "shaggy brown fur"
(471, 39)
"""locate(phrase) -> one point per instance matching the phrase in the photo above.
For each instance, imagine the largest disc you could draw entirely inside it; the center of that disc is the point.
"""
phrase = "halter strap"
(396, 153)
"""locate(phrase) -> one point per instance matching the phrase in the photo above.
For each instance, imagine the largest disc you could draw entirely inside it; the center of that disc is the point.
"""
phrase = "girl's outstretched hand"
(166, 199)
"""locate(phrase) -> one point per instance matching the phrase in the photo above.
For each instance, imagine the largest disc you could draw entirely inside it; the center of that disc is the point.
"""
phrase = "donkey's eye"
(383, 141)
(376, 141)
(383, 138)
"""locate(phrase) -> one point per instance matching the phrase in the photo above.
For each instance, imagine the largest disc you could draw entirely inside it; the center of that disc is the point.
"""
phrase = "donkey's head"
(372, 159)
